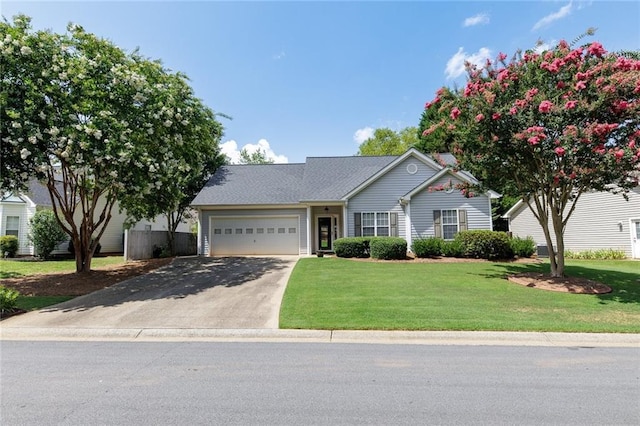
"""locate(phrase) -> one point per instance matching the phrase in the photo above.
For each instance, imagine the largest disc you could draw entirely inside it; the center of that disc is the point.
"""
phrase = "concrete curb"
(462, 338)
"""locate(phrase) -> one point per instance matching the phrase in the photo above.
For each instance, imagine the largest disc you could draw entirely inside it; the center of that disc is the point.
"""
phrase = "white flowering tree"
(96, 125)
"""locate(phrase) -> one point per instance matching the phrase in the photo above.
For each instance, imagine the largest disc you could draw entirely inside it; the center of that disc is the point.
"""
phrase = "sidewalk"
(463, 338)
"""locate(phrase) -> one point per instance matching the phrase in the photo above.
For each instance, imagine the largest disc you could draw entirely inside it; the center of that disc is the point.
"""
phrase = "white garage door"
(255, 235)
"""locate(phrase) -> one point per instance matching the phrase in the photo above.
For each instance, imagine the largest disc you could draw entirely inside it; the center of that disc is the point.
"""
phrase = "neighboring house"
(601, 220)
(302, 208)
(17, 210)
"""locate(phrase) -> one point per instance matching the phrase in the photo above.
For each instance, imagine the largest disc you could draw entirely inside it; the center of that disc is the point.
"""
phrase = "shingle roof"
(253, 184)
(39, 194)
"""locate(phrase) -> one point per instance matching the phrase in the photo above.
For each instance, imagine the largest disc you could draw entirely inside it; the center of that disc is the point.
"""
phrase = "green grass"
(333, 293)
(30, 303)
(15, 268)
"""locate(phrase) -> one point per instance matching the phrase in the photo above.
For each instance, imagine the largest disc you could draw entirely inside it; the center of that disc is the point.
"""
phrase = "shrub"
(523, 247)
(388, 248)
(352, 247)
(452, 248)
(482, 244)
(8, 245)
(8, 298)
(46, 233)
(427, 247)
(601, 254)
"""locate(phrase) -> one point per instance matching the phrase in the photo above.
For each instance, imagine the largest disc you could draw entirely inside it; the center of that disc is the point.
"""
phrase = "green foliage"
(352, 247)
(8, 245)
(114, 125)
(453, 248)
(46, 233)
(388, 248)
(8, 299)
(257, 157)
(482, 244)
(548, 127)
(427, 247)
(523, 247)
(432, 138)
(601, 254)
(389, 142)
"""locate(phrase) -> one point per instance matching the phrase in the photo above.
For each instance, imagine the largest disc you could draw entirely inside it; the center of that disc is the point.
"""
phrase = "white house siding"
(25, 211)
(205, 219)
(423, 204)
(601, 220)
(384, 194)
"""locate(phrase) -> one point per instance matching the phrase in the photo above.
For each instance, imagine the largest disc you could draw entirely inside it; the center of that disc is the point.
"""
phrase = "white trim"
(513, 209)
(345, 221)
(407, 226)
(375, 223)
(433, 179)
(309, 231)
(200, 250)
(412, 152)
(635, 246)
(334, 236)
(449, 224)
(490, 215)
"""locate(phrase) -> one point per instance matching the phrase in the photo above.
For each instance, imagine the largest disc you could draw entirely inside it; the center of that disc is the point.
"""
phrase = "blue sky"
(315, 78)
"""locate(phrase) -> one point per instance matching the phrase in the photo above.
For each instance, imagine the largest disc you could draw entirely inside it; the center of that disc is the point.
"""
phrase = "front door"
(324, 233)
(635, 235)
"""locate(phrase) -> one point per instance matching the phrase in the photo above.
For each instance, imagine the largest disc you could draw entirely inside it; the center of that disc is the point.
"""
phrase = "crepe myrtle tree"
(550, 126)
(93, 123)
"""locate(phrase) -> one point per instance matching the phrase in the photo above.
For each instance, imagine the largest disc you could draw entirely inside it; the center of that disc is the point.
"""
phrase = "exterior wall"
(384, 194)
(205, 216)
(25, 212)
(601, 220)
(423, 204)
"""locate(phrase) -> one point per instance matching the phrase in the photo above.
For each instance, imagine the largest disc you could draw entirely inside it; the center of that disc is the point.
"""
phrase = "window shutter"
(357, 224)
(437, 228)
(462, 220)
(393, 222)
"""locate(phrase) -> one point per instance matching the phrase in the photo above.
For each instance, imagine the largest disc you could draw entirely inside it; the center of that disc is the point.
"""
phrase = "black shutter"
(437, 228)
(393, 221)
(357, 224)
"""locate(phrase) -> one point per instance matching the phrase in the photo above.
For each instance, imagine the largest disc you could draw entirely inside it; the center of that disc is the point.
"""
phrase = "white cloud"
(562, 13)
(541, 47)
(455, 65)
(279, 55)
(363, 134)
(231, 150)
(479, 19)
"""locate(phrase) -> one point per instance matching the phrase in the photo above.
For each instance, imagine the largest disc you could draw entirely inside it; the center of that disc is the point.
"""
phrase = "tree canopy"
(549, 126)
(96, 125)
(386, 141)
(258, 156)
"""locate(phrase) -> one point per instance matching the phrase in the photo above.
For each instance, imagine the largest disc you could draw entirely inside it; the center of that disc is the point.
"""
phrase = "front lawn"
(333, 293)
(16, 268)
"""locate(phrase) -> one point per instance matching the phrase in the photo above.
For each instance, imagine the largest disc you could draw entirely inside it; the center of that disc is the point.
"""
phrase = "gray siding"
(384, 194)
(593, 225)
(205, 216)
(424, 203)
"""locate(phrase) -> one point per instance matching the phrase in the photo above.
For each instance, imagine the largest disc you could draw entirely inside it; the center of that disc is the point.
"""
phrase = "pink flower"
(531, 93)
(533, 140)
(620, 105)
(561, 85)
(502, 56)
(572, 175)
(559, 151)
(596, 49)
(545, 106)
(513, 111)
(496, 116)
(580, 85)
(428, 105)
(570, 104)
(479, 117)
(619, 154)
(455, 113)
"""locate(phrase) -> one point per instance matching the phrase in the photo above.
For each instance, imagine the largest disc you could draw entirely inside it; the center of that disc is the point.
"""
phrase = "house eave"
(247, 206)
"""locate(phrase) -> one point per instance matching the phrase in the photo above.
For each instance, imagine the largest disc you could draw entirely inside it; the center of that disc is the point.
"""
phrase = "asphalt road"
(108, 383)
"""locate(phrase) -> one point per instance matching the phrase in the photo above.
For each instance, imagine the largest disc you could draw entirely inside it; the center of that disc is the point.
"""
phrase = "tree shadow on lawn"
(625, 286)
(182, 278)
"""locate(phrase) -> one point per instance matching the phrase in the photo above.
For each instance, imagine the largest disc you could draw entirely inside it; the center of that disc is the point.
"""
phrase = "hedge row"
(479, 244)
(386, 248)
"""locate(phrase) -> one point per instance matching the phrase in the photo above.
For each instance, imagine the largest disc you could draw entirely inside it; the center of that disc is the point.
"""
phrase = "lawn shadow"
(182, 278)
(625, 286)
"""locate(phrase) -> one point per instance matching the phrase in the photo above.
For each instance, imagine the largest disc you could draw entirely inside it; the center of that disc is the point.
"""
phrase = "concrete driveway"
(197, 292)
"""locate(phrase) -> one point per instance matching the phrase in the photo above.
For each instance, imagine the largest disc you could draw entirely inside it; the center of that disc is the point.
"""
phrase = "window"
(248, 231)
(270, 230)
(259, 230)
(228, 231)
(238, 230)
(292, 230)
(449, 224)
(13, 226)
(280, 230)
(378, 224)
(217, 231)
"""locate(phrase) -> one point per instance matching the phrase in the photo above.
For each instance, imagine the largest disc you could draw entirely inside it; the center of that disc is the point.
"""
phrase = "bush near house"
(8, 246)
(46, 233)
(483, 244)
(428, 247)
(601, 254)
(388, 248)
(352, 247)
(523, 247)
(453, 248)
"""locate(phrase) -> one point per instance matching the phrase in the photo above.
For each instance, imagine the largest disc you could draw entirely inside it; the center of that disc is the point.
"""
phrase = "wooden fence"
(141, 244)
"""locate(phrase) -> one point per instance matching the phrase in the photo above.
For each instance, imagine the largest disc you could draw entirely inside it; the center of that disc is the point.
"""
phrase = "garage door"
(264, 235)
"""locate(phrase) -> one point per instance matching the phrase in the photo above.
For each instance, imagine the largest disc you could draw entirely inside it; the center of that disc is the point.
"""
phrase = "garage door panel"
(244, 236)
